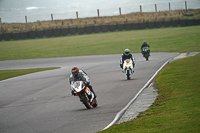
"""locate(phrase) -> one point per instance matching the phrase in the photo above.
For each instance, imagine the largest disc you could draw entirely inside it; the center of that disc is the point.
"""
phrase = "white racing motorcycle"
(84, 93)
(128, 68)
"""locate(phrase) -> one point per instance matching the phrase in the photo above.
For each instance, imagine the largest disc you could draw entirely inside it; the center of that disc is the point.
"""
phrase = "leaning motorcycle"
(84, 93)
(146, 53)
(128, 68)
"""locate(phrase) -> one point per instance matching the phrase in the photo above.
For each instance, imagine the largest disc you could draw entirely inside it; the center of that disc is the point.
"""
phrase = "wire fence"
(45, 16)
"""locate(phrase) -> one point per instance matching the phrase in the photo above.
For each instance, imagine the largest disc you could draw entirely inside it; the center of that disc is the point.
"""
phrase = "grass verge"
(177, 107)
(173, 39)
(6, 74)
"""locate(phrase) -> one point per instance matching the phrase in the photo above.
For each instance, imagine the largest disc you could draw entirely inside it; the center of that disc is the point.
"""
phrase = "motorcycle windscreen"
(128, 62)
(77, 84)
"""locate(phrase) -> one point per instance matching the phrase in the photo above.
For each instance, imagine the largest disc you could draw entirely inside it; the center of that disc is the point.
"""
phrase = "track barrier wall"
(97, 29)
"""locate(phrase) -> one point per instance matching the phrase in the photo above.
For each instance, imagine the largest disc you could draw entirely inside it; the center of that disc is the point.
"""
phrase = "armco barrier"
(159, 24)
(197, 22)
(15, 36)
(120, 27)
(113, 28)
(97, 29)
(190, 22)
(1, 37)
(73, 31)
(175, 23)
(23, 35)
(105, 28)
(32, 34)
(136, 26)
(40, 34)
(48, 33)
(81, 30)
(167, 23)
(128, 26)
(65, 32)
(183, 23)
(7, 37)
(143, 25)
(151, 25)
(56, 32)
(89, 29)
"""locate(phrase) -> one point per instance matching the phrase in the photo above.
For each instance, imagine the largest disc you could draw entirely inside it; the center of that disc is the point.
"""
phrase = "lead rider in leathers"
(80, 75)
(126, 55)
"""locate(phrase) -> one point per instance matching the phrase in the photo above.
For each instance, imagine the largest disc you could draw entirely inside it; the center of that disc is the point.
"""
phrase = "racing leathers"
(144, 45)
(81, 76)
(124, 57)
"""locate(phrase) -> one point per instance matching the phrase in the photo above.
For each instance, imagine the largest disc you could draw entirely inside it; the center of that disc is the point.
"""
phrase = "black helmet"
(144, 42)
(75, 71)
(127, 51)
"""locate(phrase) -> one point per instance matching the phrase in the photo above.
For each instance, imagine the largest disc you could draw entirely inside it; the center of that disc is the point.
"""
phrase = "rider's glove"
(86, 83)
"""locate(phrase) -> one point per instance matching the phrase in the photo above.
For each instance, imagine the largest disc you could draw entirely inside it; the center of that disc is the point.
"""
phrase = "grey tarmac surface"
(42, 103)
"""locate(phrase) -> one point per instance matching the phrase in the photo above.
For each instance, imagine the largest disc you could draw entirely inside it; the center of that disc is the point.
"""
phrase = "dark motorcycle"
(146, 53)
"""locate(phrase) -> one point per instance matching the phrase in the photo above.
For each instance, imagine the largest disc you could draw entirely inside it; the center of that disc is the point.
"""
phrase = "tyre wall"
(97, 29)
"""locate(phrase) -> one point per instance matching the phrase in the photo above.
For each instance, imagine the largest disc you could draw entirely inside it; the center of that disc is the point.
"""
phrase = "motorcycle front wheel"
(128, 75)
(85, 102)
(95, 103)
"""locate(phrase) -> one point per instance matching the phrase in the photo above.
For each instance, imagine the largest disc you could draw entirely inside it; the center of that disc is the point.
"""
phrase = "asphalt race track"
(42, 102)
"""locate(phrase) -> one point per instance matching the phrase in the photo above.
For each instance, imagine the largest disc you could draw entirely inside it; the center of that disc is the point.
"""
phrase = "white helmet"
(127, 51)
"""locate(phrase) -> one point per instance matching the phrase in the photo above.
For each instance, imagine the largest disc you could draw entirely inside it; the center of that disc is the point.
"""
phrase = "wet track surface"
(42, 102)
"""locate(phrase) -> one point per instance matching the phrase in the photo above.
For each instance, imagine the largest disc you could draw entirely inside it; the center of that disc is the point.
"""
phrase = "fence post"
(120, 11)
(140, 9)
(77, 15)
(169, 7)
(155, 8)
(51, 17)
(186, 5)
(98, 12)
(26, 19)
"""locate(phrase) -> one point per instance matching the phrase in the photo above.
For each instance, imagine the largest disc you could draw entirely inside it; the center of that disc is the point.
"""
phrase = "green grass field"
(6, 74)
(174, 39)
(177, 107)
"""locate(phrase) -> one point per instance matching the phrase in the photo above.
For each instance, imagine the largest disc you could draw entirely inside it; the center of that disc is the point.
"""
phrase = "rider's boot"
(90, 87)
(94, 94)
(92, 97)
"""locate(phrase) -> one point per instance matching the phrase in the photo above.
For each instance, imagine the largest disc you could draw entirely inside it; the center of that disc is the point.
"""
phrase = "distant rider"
(145, 45)
(80, 75)
(126, 55)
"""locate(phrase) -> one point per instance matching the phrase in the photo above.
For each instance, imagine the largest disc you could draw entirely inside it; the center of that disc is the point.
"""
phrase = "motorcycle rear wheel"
(146, 56)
